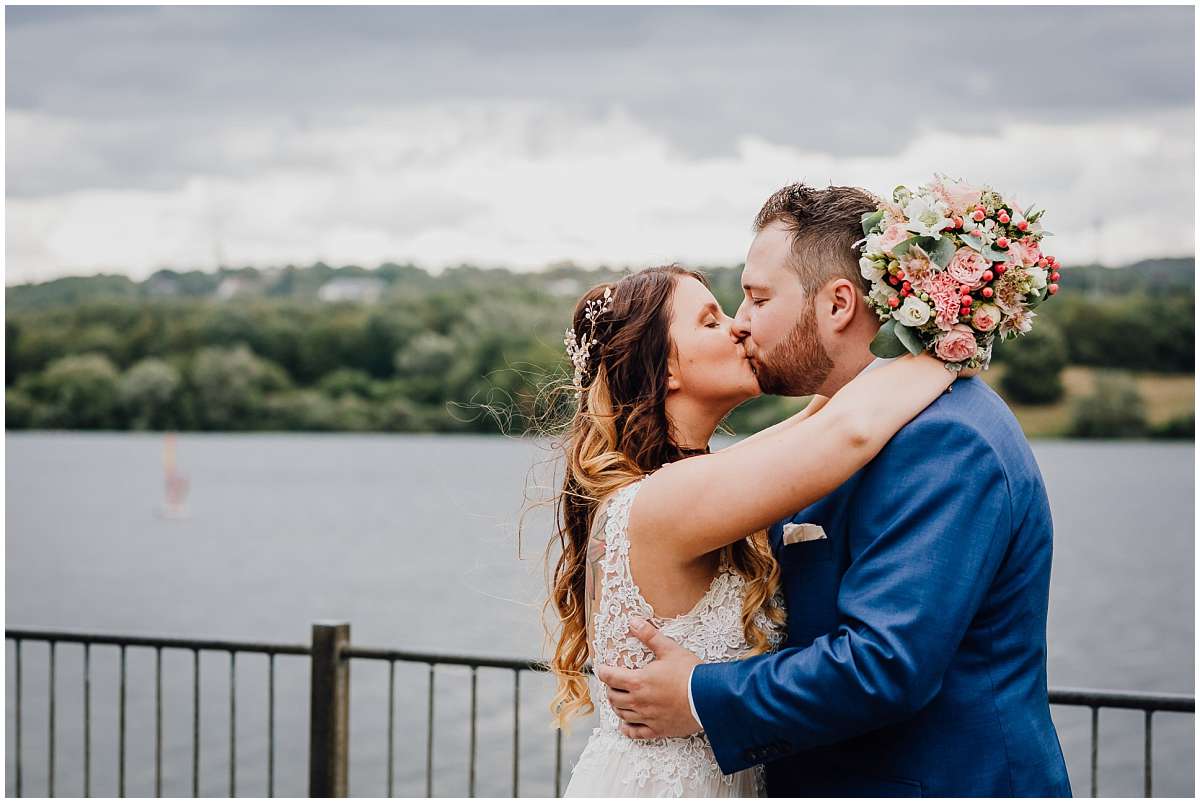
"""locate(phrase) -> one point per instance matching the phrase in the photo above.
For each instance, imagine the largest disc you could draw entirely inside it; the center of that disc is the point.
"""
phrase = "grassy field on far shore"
(1166, 396)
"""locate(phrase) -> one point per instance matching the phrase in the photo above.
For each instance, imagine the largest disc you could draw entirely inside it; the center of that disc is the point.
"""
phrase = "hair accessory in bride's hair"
(578, 348)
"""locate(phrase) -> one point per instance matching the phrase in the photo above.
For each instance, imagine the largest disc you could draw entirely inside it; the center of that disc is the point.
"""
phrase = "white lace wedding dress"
(613, 765)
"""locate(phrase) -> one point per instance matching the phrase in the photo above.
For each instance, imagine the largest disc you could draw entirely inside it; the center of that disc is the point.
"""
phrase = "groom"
(915, 660)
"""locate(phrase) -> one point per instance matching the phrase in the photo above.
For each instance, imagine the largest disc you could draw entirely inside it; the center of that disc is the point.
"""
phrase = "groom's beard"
(799, 365)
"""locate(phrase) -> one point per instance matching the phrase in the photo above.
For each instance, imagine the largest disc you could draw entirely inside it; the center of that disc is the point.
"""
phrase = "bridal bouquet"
(952, 267)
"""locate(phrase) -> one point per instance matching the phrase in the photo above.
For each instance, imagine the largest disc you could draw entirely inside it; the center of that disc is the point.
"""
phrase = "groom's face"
(777, 319)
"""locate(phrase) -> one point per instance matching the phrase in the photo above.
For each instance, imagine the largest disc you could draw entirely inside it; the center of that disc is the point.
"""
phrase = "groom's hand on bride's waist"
(653, 701)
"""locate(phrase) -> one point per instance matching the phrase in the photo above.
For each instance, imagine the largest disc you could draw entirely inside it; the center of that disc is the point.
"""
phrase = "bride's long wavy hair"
(619, 432)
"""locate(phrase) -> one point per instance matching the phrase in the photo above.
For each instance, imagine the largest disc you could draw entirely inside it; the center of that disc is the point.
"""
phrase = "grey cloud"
(156, 89)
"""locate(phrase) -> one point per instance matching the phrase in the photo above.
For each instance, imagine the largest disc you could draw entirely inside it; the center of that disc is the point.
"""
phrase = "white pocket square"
(795, 533)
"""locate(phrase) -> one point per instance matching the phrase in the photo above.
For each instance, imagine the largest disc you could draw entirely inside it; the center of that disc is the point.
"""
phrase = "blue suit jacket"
(915, 660)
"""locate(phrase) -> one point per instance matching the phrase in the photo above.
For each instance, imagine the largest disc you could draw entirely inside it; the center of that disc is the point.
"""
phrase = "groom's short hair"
(825, 224)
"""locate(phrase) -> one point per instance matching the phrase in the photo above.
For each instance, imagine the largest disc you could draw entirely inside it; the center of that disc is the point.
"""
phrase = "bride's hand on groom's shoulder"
(653, 701)
(967, 373)
(962, 373)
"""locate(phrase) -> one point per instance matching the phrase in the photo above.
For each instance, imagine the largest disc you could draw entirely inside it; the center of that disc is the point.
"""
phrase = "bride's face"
(709, 364)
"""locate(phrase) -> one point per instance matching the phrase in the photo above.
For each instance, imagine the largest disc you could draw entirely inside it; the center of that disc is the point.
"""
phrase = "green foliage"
(1182, 427)
(467, 350)
(1034, 365)
(149, 393)
(312, 410)
(887, 342)
(1136, 333)
(942, 252)
(230, 388)
(330, 342)
(71, 290)
(33, 345)
(1113, 410)
(100, 338)
(1151, 277)
(762, 412)
(20, 411)
(347, 382)
(75, 392)
(398, 414)
(909, 338)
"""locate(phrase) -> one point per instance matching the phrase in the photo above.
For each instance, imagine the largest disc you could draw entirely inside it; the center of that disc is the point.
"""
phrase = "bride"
(651, 525)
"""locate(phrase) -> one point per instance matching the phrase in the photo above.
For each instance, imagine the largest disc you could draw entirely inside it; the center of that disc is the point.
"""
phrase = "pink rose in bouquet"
(957, 345)
(967, 267)
(986, 317)
(1033, 251)
(1024, 252)
(893, 235)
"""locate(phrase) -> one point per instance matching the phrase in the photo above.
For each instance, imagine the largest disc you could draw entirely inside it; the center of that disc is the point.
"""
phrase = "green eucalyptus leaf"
(909, 338)
(942, 252)
(901, 248)
(971, 241)
(870, 220)
(886, 344)
(994, 254)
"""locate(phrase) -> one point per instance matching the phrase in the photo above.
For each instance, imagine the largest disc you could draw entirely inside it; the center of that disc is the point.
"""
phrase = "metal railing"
(1140, 701)
(195, 646)
(330, 653)
(475, 663)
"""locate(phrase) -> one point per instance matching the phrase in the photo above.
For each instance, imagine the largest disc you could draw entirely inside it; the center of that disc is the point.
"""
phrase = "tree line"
(467, 350)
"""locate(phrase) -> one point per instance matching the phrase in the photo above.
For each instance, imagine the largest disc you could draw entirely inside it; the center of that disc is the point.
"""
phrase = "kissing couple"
(849, 603)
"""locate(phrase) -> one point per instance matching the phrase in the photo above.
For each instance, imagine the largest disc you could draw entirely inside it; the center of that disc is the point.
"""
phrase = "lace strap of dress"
(616, 531)
(611, 590)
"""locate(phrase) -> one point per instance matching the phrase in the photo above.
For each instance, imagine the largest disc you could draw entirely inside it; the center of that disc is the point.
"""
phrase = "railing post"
(329, 713)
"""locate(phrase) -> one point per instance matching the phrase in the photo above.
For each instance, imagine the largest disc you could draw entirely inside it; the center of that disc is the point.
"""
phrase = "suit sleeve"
(932, 518)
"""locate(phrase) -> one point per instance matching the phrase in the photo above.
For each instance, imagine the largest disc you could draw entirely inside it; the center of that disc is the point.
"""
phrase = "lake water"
(412, 539)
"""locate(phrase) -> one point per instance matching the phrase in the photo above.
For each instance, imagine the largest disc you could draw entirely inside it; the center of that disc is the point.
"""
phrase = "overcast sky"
(141, 138)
